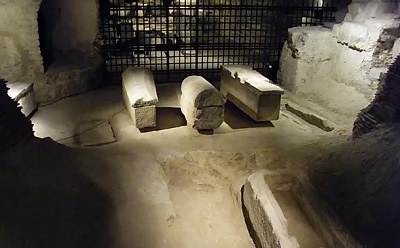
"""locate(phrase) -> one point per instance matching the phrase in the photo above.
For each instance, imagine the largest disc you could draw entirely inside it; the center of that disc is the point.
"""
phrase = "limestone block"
(396, 49)
(352, 67)
(201, 93)
(348, 17)
(95, 133)
(354, 35)
(139, 85)
(144, 116)
(201, 103)
(355, 8)
(250, 91)
(304, 52)
(140, 96)
(68, 77)
(311, 43)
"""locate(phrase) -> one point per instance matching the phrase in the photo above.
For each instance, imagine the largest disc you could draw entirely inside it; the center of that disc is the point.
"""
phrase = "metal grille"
(179, 38)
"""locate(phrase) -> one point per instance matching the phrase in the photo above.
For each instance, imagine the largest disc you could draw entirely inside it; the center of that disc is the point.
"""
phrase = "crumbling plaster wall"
(75, 28)
(339, 66)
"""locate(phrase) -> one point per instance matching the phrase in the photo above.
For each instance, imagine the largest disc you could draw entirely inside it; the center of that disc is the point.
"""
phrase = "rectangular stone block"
(251, 92)
(143, 116)
(140, 96)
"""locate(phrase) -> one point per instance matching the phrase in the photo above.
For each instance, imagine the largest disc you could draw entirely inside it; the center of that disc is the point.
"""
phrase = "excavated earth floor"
(166, 187)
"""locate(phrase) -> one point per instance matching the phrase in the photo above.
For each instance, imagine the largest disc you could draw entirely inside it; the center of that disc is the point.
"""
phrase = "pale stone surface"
(376, 73)
(251, 92)
(201, 93)
(144, 116)
(301, 56)
(19, 41)
(354, 35)
(138, 83)
(94, 133)
(265, 214)
(396, 48)
(69, 76)
(201, 103)
(351, 56)
(140, 96)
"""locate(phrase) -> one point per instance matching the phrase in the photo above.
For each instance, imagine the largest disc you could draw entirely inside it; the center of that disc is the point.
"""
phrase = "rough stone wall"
(360, 180)
(385, 108)
(75, 26)
(19, 41)
(14, 126)
(355, 53)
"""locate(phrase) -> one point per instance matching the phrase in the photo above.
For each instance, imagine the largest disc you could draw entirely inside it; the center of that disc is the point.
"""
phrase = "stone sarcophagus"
(140, 96)
(250, 91)
(201, 103)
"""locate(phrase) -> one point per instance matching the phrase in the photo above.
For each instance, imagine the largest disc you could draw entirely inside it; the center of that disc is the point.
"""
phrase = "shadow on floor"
(237, 119)
(167, 118)
(47, 202)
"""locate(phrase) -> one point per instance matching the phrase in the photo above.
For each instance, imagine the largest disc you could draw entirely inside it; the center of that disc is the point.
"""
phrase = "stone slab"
(310, 117)
(261, 103)
(94, 133)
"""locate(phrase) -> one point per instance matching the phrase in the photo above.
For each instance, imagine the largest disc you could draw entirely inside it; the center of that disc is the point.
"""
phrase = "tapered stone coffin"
(140, 96)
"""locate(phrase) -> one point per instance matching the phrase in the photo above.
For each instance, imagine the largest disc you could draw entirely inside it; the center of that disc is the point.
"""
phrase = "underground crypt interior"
(199, 123)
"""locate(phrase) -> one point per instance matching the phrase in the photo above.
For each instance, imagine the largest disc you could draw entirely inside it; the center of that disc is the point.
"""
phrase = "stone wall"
(339, 66)
(19, 41)
(74, 26)
(385, 108)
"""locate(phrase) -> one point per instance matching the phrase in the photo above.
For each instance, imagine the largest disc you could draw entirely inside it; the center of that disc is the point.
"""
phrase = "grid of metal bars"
(178, 38)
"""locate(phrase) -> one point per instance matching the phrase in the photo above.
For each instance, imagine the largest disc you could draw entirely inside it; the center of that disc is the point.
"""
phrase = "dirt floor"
(166, 187)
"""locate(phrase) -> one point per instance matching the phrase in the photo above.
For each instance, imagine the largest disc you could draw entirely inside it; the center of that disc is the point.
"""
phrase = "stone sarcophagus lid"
(140, 96)
(251, 92)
